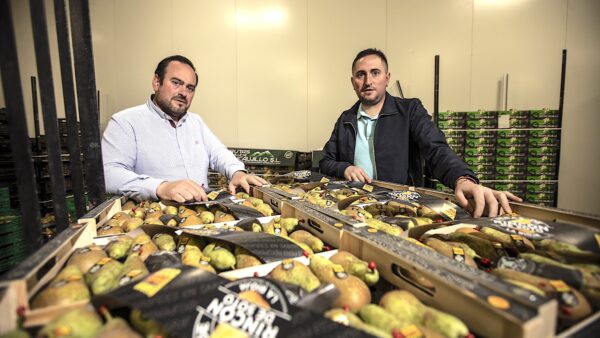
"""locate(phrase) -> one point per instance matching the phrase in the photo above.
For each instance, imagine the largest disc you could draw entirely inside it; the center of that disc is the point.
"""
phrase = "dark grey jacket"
(404, 137)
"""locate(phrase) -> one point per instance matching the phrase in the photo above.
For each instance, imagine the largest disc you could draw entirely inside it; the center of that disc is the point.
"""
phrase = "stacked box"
(452, 124)
(545, 199)
(544, 118)
(513, 119)
(541, 187)
(456, 141)
(511, 151)
(12, 241)
(517, 188)
(482, 120)
(484, 172)
(511, 160)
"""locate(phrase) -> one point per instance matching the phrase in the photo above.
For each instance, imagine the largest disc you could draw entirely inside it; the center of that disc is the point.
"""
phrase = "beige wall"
(276, 73)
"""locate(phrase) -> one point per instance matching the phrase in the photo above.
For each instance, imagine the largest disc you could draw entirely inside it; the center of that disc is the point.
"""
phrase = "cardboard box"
(482, 115)
(541, 170)
(512, 142)
(511, 170)
(481, 142)
(452, 124)
(479, 151)
(544, 113)
(542, 133)
(480, 160)
(515, 188)
(550, 142)
(453, 287)
(547, 122)
(512, 151)
(545, 187)
(452, 116)
(543, 151)
(479, 134)
(510, 133)
(482, 124)
(542, 160)
(484, 169)
(513, 119)
(511, 160)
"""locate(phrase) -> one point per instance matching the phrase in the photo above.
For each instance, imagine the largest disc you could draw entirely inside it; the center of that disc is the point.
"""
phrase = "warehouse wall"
(276, 73)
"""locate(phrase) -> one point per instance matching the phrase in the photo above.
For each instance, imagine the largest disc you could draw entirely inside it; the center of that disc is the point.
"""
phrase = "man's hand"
(241, 179)
(354, 173)
(181, 191)
(483, 197)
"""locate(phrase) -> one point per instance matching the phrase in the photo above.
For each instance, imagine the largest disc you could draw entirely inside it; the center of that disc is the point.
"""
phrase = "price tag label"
(368, 188)
(411, 331)
(212, 195)
(559, 285)
(324, 180)
(156, 281)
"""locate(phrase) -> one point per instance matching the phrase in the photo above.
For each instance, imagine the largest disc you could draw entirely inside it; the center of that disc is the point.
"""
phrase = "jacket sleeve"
(221, 159)
(445, 165)
(331, 164)
(119, 150)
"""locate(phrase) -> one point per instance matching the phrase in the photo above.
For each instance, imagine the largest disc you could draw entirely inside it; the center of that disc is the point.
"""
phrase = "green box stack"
(508, 149)
(12, 244)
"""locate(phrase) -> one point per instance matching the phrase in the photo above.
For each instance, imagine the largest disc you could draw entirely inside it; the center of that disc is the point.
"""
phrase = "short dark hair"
(370, 51)
(162, 66)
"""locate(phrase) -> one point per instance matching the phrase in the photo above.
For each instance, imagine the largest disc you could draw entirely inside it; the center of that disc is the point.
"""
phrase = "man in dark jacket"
(387, 138)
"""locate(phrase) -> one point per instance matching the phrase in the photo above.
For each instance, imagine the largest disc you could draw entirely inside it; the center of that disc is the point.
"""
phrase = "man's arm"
(119, 151)
(330, 164)
(452, 171)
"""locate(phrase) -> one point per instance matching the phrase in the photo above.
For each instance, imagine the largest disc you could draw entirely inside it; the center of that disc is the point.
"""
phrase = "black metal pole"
(83, 58)
(36, 115)
(44, 69)
(64, 53)
(561, 102)
(19, 136)
(436, 90)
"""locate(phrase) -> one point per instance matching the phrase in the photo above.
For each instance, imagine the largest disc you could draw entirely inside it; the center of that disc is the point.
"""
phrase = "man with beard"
(387, 138)
(160, 150)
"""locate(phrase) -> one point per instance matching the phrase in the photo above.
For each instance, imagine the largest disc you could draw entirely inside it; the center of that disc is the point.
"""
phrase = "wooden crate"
(25, 280)
(489, 309)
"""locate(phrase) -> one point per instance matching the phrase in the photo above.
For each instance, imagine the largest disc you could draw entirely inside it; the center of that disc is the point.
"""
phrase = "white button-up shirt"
(141, 149)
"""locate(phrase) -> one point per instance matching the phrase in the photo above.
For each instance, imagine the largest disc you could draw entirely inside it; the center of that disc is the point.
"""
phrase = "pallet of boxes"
(273, 165)
(336, 258)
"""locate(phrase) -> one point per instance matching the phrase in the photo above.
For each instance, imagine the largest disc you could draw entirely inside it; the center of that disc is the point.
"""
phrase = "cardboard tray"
(524, 209)
(491, 308)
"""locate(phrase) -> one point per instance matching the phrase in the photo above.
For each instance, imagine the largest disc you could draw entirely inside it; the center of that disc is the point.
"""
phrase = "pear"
(115, 327)
(190, 220)
(303, 236)
(293, 272)
(86, 257)
(354, 293)
(80, 323)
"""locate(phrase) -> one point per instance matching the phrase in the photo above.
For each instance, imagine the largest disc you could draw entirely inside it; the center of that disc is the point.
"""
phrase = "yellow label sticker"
(458, 251)
(133, 273)
(338, 225)
(368, 188)
(104, 261)
(411, 331)
(372, 230)
(516, 237)
(156, 281)
(597, 239)
(449, 211)
(73, 278)
(324, 180)
(498, 302)
(559, 285)
(337, 268)
(212, 195)
(287, 261)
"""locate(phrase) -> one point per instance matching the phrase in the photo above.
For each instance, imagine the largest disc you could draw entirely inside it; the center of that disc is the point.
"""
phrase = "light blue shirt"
(364, 151)
(141, 149)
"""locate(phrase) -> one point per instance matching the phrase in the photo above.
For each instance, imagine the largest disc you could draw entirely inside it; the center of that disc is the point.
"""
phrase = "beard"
(171, 107)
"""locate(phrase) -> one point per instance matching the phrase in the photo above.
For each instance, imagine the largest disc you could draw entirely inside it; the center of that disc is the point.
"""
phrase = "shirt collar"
(362, 113)
(153, 107)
